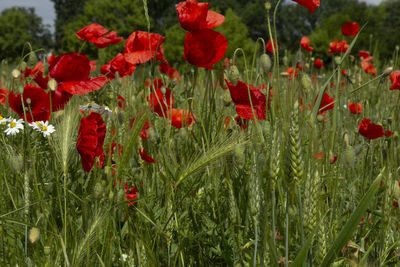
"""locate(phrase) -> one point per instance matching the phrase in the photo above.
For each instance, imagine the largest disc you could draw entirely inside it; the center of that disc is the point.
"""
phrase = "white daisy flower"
(36, 125)
(14, 126)
(3, 121)
(45, 128)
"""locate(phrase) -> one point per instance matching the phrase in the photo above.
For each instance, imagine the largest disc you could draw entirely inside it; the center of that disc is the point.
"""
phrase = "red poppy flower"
(37, 73)
(121, 102)
(39, 107)
(338, 47)
(204, 48)
(388, 133)
(318, 155)
(318, 64)
(370, 130)
(72, 71)
(240, 97)
(305, 43)
(310, 4)
(194, 16)
(368, 67)
(180, 118)
(98, 35)
(145, 156)
(290, 71)
(3, 95)
(333, 159)
(117, 64)
(59, 98)
(350, 29)
(159, 102)
(363, 54)
(141, 47)
(144, 133)
(327, 103)
(355, 108)
(395, 79)
(171, 72)
(130, 194)
(269, 48)
(92, 131)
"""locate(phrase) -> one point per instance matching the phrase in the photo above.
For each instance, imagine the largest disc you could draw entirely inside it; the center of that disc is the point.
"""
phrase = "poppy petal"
(83, 87)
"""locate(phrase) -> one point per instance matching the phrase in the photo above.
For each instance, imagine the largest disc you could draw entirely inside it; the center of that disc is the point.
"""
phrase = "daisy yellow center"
(12, 124)
(1, 118)
(44, 128)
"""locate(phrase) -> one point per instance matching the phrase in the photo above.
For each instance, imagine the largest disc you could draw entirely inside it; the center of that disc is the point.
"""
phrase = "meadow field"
(261, 156)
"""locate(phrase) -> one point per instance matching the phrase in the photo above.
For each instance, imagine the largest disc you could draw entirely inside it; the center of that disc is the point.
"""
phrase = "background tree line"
(246, 20)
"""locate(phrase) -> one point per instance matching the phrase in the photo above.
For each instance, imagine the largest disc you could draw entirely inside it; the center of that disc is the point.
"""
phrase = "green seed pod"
(349, 156)
(234, 75)
(267, 5)
(265, 62)
(227, 98)
(98, 190)
(306, 82)
(320, 117)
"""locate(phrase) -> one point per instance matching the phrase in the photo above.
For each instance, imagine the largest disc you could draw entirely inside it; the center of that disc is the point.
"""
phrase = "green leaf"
(351, 225)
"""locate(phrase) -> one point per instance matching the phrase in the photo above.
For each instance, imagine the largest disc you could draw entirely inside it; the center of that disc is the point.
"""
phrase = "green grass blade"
(351, 225)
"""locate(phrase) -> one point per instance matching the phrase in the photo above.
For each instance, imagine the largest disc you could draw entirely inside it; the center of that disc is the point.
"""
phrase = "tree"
(18, 26)
(122, 16)
(66, 11)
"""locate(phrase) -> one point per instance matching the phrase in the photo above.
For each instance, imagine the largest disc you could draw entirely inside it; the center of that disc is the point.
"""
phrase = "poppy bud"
(227, 98)
(221, 79)
(265, 63)
(16, 73)
(346, 139)
(28, 101)
(320, 117)
(23, 65)
(234, 75)
(337, 60)
(397, 48)
(34, 235)
(388, 71)
(285, 61)
(267, 5)
(52, 84)
(349, 156)
(163, 90)
(306, 82)
(32, 59)
(46, 250)
(98, 190)
(111, 195)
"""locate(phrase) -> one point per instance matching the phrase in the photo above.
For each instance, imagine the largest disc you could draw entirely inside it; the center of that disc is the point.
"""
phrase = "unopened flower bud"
(52, 84)
(267, 5)
(227, 98)
(388, 71)
(306, 82)
(98, 190)
(46, 250)
(285, 61)
(28, 101)
(23, 65)
(234, 75)
(32, 59)
(320, 117)
(337, 60)
(16, 73)
(265, 62)
(349, 156)
(34, 235)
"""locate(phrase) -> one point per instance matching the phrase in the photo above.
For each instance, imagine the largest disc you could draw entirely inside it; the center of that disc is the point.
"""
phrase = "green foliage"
(122, 16)
(19, 26)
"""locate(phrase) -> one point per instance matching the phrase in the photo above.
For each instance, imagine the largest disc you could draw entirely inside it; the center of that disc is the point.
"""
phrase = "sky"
(45, 9)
